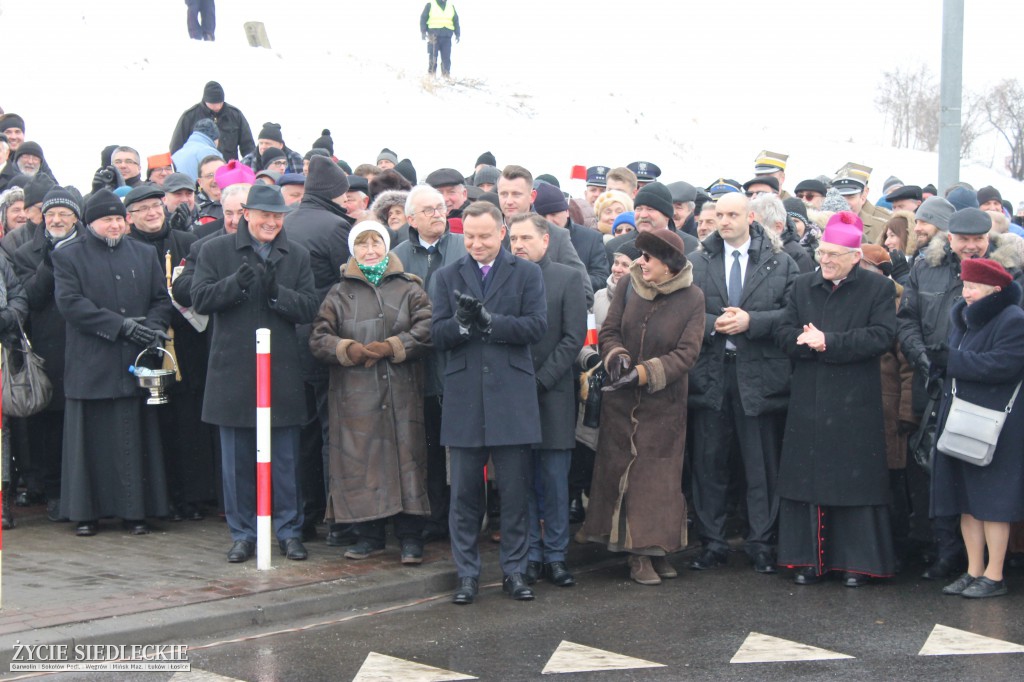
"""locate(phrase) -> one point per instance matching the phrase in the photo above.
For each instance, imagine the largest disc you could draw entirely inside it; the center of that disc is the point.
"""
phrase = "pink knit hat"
(234, 172)
(844, 229)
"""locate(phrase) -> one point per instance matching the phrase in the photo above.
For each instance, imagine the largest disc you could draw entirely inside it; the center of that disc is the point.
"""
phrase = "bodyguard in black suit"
(739, 387)
(553, 358)
(489, 307)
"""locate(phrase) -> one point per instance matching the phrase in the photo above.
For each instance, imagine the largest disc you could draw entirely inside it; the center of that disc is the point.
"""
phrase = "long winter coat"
(46, 326)
(762, 368)
(636, 504)
(489, 385)
(986, 357)
(96, 288)
(378, 451)
(933, 288)
(590, 248)
(897, 403)
(230, 398)
(554, 354)
(833, 450)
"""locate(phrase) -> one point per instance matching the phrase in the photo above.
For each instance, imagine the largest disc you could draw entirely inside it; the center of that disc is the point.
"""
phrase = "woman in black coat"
(986, 359)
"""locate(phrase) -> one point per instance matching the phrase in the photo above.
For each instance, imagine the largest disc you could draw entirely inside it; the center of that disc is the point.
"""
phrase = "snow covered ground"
(546, 85)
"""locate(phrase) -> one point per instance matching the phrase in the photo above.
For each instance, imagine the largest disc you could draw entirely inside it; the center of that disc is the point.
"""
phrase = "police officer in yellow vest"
(438, 23)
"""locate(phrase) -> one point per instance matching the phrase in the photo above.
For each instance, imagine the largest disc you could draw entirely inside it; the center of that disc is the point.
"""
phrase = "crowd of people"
(486, 350)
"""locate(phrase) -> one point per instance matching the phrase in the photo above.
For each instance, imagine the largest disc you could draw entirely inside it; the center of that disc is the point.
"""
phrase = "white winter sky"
(765, 74)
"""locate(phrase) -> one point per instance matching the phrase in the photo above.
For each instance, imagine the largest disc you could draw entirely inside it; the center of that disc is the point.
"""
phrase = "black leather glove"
(900, 266)
(245, 276)
(630, 379)
(483, 320)
(104, 177)
(181, 219)
(134, 331)
(592, 361)
(619, 365)
(269, 278)
(938, 353)
(159, 340)
(467, 309)
(8, 320)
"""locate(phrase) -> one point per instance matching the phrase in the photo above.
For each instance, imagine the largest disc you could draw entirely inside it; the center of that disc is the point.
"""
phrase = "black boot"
(577, 514)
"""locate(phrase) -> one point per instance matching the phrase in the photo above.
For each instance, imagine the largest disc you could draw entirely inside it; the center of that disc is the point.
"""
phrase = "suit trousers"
(238, 465)
(437, 467)
(550, 501)
(512, 471)
(760, 441)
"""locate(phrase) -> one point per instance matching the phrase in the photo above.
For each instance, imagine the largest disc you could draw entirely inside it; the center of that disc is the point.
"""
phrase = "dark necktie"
(735, 281)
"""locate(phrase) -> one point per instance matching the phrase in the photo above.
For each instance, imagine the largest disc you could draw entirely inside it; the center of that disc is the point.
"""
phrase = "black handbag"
(590, 393)
(922, 443)
(26, 388)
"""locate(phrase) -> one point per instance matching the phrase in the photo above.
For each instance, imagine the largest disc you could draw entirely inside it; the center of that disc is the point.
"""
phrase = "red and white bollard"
(591, 339)
(264, 548)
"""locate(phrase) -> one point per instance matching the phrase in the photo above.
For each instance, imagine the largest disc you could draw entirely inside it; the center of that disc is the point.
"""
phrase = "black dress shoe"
(533, 571)
(87, 528)
(293, 549)
(558, 575)
(807, 575)
(707, 560)
(943, 568)
(241, 551)
(577, 514)
(136, 527)
(515, 586)
(854, 579)
(764, 562)
(466, 592)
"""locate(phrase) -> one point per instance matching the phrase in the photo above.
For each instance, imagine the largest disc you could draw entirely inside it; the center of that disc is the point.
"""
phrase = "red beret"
(985, 271)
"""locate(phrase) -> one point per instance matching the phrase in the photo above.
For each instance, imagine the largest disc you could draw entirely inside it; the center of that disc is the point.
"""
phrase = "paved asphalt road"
(693, 626)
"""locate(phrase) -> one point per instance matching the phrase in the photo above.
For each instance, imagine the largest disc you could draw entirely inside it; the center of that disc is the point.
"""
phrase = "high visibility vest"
(441, 18)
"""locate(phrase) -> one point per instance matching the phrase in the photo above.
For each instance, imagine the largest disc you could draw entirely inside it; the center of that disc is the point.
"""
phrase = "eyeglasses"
(208, 176)
(646, 257)
(147, 209)
(427, 212)
(807, 196)
(824, 255)
(62, 215)
(756, 194)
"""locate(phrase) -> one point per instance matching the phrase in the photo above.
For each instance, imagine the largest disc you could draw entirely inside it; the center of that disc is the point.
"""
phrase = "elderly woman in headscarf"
(373, 329)
(650, 340)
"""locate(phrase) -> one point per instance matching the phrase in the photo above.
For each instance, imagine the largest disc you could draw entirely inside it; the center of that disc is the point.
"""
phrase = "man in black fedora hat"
(247, 280)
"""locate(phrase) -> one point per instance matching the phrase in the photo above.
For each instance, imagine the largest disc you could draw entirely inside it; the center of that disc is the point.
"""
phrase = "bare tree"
(1004, 110)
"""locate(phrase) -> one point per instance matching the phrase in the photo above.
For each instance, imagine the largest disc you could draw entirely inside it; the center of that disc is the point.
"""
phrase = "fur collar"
(979, 314)
(646, 291)
(1000, 249)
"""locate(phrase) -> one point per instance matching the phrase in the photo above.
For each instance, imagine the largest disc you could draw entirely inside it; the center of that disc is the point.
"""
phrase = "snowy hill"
(122, 71)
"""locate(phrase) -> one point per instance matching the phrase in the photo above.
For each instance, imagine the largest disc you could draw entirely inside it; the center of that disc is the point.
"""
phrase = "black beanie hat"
(665, 245)
(213, 93)
(32, 148)
(794, 205)
(549, 200)
(271, 155)
(60, 197)
(101, 204)
(12, 121)
(325, 141)
(657, 196)
(316, 151)
(325, 179)
(988, 194)
(36, 188)
(271, 131)
(487, 159)
(207, 127)
(343, 165)
(406, 169)
(107, 154)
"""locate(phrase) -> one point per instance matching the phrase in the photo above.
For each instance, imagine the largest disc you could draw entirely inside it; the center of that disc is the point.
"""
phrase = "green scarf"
(374, 272)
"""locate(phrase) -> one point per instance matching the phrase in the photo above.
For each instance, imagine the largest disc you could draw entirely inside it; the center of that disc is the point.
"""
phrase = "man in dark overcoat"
(489, 307)
(113, 296)
(740, 385)
(833, 478)
(34, 266)
(245, 281)
(553, 358)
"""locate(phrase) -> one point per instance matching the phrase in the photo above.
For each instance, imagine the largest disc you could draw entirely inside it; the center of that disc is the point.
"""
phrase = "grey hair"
(418, 191)
(238, 189)
(135, 152)
(769, 210)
